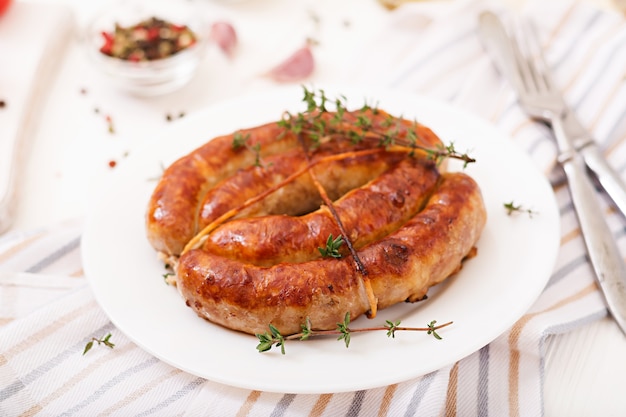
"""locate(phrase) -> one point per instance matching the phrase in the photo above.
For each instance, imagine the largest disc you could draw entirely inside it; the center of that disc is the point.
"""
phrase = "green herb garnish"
(332, 247)
(274, 338)
(388, 132)
(511, 208)
(105, 341)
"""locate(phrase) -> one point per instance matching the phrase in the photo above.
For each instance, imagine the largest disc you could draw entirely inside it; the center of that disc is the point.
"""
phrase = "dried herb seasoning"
(148, 40)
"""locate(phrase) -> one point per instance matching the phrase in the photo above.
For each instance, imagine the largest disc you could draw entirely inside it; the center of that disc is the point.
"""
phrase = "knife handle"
(606, 259)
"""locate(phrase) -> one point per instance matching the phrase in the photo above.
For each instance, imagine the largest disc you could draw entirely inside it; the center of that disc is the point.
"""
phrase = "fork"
(567, 123)
(522, 62)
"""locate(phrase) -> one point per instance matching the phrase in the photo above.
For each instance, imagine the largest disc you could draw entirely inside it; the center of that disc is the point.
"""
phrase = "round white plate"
(516, 255)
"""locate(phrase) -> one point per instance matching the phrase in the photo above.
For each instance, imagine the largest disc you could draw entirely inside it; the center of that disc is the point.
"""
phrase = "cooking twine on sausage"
(201, 236)
(371, 297)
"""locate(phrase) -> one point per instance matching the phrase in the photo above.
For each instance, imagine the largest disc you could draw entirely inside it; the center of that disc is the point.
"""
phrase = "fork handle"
(606, 259)
(609, 179)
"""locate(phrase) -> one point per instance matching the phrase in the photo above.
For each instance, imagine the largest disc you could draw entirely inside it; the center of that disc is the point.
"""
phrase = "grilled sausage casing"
(410, 225)
(178, 209)
(401, 266)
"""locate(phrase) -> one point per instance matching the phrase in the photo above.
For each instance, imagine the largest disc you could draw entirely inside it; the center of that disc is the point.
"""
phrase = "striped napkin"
(48, 313)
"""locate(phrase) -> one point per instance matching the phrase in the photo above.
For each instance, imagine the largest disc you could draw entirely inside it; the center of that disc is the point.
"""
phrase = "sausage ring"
(244, 226)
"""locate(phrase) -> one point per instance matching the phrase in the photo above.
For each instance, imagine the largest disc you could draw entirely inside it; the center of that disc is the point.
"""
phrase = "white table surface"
(585, 369)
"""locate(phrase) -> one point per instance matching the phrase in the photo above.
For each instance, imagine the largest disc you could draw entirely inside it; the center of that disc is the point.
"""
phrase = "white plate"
(516, 255)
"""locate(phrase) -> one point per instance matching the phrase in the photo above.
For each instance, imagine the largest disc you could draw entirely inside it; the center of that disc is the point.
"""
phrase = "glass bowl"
(142, 76)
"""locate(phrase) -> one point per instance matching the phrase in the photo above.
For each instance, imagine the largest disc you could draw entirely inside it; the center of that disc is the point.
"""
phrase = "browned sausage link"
(431, 246)
(173, 207)
(368, 213)
(401, 266)
(298, 196)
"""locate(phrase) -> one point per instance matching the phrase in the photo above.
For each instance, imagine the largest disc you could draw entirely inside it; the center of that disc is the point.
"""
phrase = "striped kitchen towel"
(48, 313)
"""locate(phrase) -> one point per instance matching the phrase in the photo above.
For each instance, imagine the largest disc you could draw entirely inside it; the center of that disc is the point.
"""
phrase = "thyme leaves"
(106, 340)
(332, 247)
(241, 141)
(273, 337)
(319, 124)
(511, 208)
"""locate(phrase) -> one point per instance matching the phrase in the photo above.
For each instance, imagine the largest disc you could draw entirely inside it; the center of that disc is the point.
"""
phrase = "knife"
(610, 180)
(604, 255)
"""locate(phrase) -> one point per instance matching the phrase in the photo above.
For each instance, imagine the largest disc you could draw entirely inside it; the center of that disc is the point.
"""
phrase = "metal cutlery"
(610, 180)
(522, 63)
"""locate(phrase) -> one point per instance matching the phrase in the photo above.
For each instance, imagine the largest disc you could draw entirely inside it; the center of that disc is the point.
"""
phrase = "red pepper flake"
(108, 43)
(112, 163)
(109, 121)
(3, 104)
(153, 33)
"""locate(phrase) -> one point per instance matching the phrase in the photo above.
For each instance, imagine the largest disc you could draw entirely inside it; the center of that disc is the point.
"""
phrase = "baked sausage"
(368, 213)
(178, 201)
(401, 266)
(171, 218)
(242, 224)
(300, 195)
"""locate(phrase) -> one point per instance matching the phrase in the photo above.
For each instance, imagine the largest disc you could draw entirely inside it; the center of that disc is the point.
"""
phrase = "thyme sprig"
(332, 247)
(329, 204)
(448, 151)
(511, 208)
(388, 132)
(241, 141)
(106, 340)
(273, 337)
